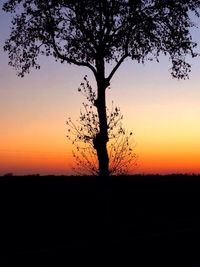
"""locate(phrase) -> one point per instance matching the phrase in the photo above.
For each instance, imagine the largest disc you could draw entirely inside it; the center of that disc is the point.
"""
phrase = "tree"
(82, 134)
(95, 33)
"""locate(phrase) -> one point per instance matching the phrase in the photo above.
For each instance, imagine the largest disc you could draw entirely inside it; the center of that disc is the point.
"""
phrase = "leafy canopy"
(86, 31)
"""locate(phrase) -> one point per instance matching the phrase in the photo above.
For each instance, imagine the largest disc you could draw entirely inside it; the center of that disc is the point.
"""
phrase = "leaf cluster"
(83, 31)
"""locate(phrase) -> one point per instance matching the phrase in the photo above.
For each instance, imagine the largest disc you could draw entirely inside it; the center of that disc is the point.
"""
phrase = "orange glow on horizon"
(21, 163)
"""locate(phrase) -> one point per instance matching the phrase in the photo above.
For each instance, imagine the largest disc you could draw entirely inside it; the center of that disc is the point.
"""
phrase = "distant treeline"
(134, 177)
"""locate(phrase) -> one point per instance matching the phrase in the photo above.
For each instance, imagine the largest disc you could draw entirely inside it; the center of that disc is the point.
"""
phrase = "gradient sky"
(163, 113)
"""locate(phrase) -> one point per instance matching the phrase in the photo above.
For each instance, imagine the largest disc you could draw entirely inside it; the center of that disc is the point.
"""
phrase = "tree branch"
(117, 66)
(64, 57)
(126, 54)
(71, 60)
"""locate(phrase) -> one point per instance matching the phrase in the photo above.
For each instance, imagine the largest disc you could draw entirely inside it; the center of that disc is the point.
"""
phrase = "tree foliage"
(81, 31)
(82, 134)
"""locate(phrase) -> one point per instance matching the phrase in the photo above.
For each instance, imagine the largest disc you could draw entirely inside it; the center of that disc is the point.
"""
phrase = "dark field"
(145, 219)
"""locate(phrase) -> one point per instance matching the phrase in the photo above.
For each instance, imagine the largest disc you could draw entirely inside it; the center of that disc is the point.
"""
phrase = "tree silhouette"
(83, 132)
(95, 33)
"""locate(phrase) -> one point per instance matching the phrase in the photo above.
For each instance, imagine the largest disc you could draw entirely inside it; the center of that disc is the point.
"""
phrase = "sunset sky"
(163, 113)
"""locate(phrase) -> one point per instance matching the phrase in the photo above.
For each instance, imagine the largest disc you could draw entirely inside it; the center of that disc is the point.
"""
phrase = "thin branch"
(117, 66)
(126, 54)
(70, 60)
(64, 57)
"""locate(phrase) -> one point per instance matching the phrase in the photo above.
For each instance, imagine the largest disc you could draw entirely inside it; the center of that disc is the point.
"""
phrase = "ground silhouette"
(44, 218)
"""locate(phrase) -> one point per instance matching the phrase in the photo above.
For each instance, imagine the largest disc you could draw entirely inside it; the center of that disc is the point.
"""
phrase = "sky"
(163, 114)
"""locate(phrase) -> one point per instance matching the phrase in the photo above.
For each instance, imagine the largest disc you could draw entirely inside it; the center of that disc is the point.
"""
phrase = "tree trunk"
(100, 141)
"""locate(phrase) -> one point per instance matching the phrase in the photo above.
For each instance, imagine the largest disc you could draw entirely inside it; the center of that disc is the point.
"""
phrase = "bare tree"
(94, 33)
(83, 134)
